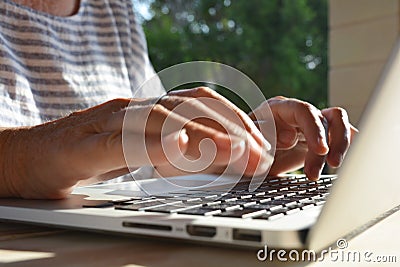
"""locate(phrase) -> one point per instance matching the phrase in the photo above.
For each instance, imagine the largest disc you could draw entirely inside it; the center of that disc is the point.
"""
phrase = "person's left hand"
(227, 118)
(307, 136)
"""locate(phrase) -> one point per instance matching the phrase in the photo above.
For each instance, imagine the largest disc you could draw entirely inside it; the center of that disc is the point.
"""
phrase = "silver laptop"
(284, 212)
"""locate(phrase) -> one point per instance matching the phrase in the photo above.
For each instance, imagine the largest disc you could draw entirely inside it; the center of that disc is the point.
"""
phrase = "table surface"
(26, 245)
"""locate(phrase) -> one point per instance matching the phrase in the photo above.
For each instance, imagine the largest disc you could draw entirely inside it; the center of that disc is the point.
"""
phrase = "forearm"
(7, 163)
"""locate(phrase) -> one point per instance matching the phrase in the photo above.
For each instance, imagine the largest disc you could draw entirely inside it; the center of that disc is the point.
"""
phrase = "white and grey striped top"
(51, 66)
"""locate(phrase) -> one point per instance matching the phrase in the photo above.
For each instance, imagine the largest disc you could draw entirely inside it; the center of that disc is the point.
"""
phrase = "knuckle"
(158, 108)
(168, 100)
(204, 90)
(274, 100)
(339, 112)
(173, 99)
(302, 106)
(118, 103)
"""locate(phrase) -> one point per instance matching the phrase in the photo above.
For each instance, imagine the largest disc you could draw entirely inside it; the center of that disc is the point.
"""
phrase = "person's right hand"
(48, 160)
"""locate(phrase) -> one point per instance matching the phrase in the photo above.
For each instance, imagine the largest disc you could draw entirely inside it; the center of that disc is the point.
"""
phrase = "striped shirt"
(51, 66)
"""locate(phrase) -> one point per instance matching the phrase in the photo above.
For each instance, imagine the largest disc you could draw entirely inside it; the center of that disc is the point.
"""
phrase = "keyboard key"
(187, 198)
(282, 202)
(269, 216)
(123, 200)
(297, 197)
(242, 213)
(97, 204)
(262, 199)
(278, 209)
(225, 206)
(291, 203)
(271, 192)
(245, 196)
(166, 195)
(173, 208)
(199, 201)
(228, 199)
(204, 211)
(319, 198)
(244, 203)
(269, 207)
(306, 206)
(307, 201)
(213, 203)
(145, 205)
(132, 200)
(291, 211)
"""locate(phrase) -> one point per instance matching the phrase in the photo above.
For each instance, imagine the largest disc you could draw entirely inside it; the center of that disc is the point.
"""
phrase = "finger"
(157, 120)
(354, 132)
(209, 158)
(313, 165)
(149, 119)
(286, 136)
(110, 155)
(307, 118)
(252, 162)
(142, 121)
(289, 160)
(255, 159)
(340, 132)
(206, 94)
(194, 109)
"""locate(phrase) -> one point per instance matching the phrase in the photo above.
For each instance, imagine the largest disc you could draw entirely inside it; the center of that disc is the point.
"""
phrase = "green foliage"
(280, 44)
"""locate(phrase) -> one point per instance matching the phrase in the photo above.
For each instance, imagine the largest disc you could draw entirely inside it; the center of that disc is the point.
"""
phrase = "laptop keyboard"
(275, 198)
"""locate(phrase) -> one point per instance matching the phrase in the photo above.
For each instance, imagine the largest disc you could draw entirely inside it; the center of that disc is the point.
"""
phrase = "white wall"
(362, 34)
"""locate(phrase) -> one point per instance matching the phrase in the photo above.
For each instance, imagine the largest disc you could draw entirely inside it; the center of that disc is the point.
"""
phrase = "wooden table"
(25, 245)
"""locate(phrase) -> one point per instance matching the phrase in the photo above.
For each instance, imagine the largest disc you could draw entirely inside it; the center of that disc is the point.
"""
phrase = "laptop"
(283, 212)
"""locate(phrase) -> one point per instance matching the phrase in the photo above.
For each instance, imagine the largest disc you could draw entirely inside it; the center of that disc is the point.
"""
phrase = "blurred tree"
(280, 44)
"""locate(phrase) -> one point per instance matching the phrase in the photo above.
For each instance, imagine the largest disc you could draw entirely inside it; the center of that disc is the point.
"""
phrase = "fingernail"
(253, 143)
(265, 163)
(265, 158)
(316, 172)
(263, 168)
(266, 145)
(175, 136)
(264, 127)
(183, 135)
(339, 159)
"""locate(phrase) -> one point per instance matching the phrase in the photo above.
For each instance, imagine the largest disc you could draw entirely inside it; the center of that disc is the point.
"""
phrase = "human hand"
(302, 138)
(48, 160)
(209, 108)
